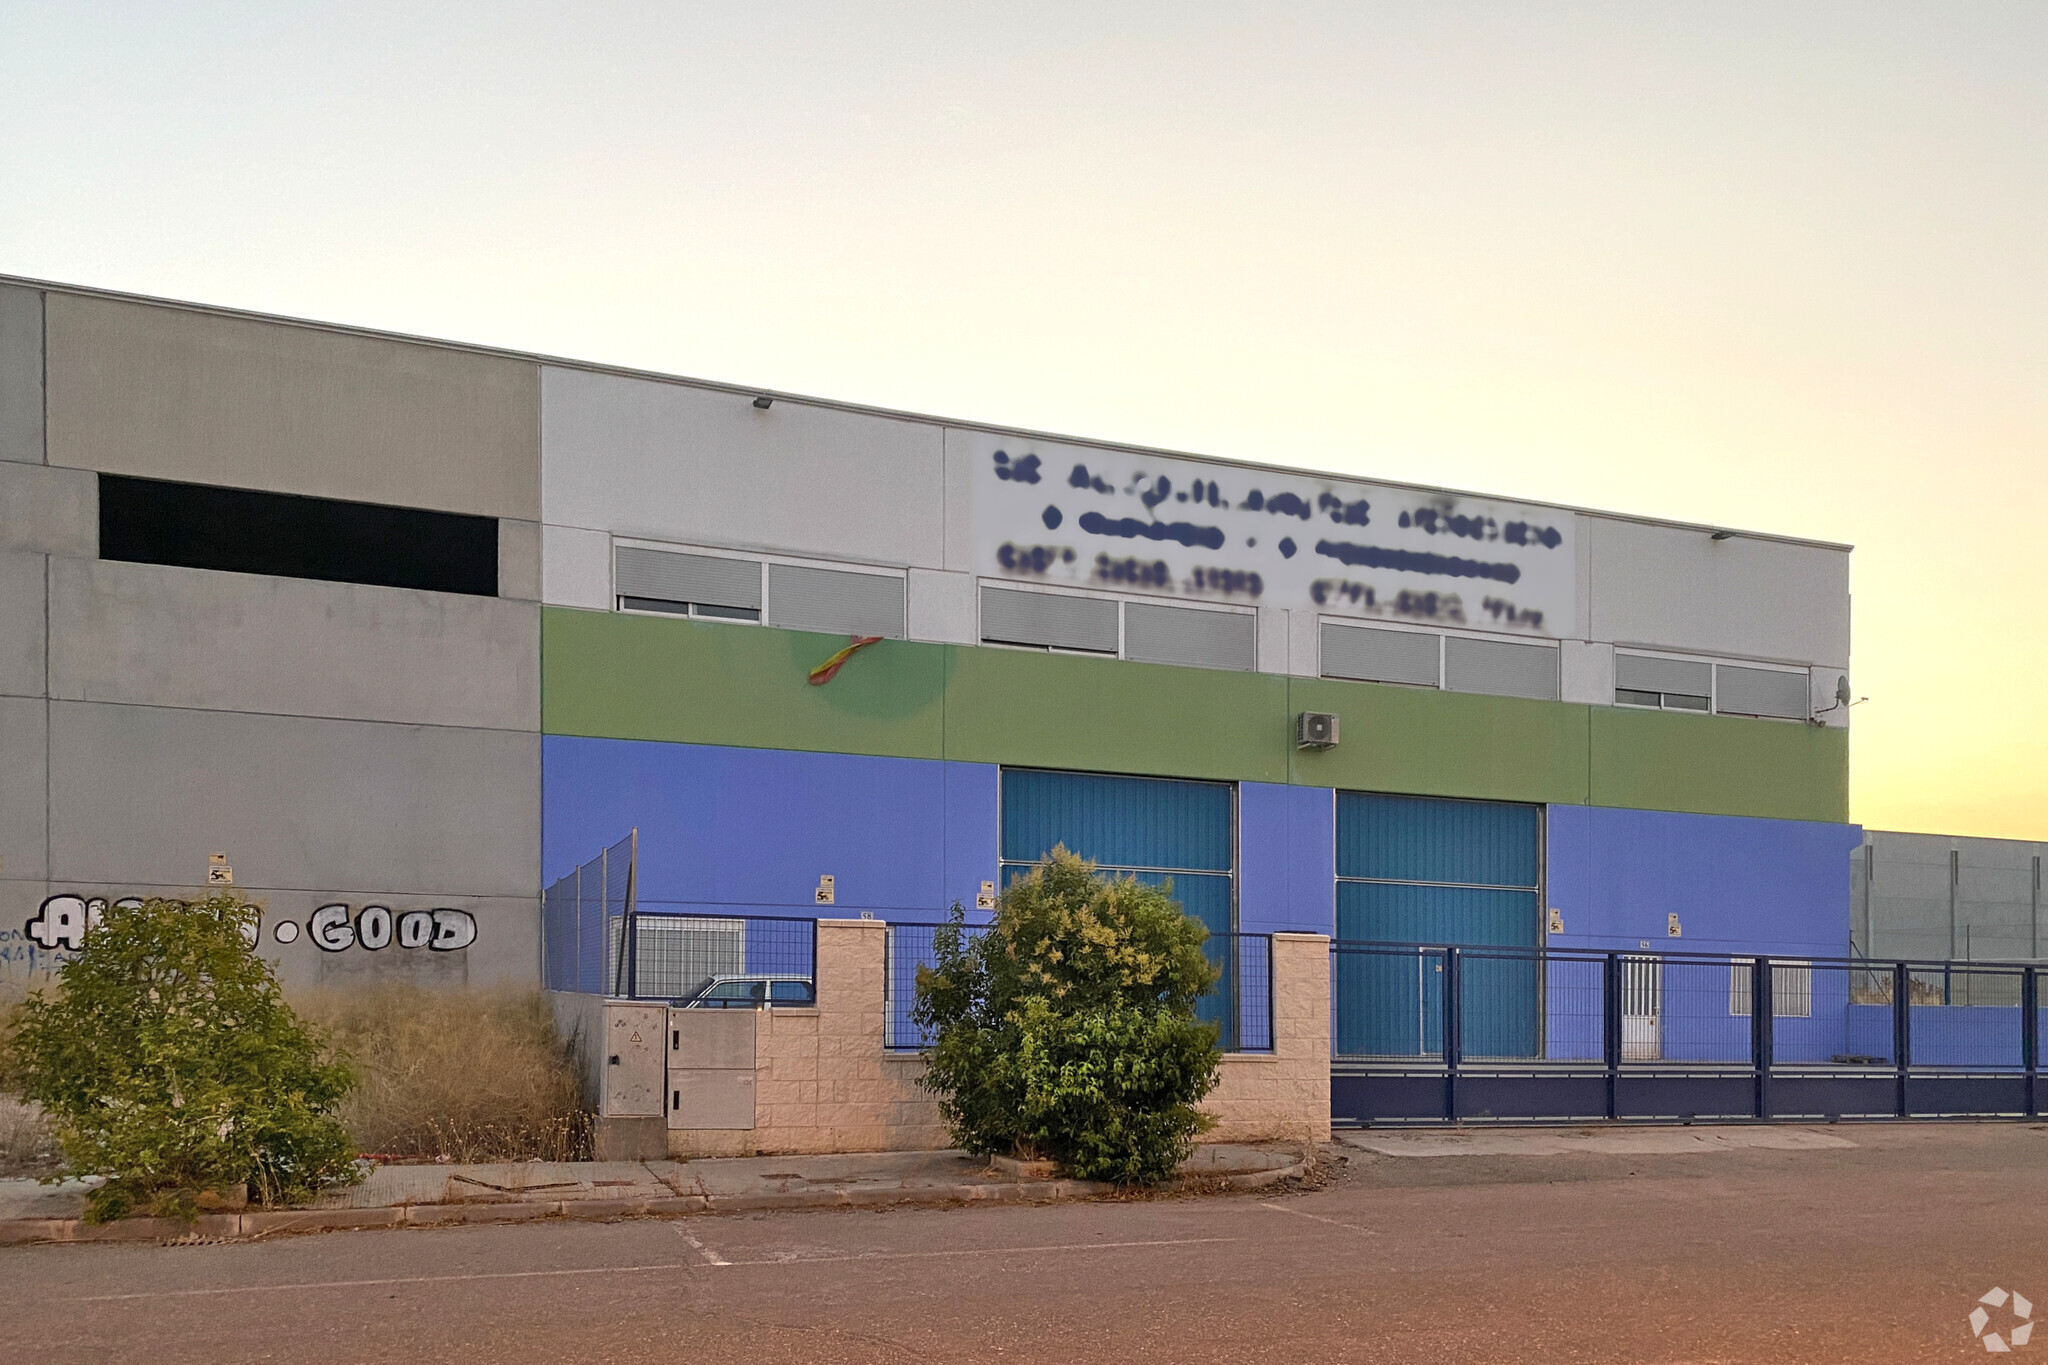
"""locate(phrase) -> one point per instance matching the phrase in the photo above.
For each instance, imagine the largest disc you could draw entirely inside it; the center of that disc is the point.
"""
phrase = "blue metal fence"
(1440, 1033)
(1240, 1005)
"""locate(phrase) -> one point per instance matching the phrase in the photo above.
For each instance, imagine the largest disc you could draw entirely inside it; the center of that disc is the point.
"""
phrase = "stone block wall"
(1282, 1095)
(824, 1082)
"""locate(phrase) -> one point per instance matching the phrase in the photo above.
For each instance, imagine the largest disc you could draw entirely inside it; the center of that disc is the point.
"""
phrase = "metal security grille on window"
(801, 598)
(1393, 656)
(675, 954)
(1761, 692)
(1500, 668)
(1048, 619)
(1184, 635)
(1791, 989)
(1673, 684)
(666, 579)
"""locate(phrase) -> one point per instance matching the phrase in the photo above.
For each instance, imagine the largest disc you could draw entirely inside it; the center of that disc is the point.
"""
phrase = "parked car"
(749, 992)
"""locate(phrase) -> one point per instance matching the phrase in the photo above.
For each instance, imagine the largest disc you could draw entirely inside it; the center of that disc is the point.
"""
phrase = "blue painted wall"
(748, 831)
(1287, 870)
(1737, 884)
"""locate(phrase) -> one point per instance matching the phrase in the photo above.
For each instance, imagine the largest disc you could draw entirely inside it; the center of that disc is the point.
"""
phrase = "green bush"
(1066, 1029)
(168, 1062)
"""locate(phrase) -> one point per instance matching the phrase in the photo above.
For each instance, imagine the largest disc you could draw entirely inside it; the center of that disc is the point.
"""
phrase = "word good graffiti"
(376, 927)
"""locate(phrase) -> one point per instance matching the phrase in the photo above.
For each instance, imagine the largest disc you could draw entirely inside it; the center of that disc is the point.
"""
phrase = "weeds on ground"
(28, 1147)
(455, 1075)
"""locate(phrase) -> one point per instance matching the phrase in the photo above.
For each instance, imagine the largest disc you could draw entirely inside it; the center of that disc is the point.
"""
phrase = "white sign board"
(1090, 518)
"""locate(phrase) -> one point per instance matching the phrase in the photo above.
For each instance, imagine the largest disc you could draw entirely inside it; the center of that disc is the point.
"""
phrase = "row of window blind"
(799, 597)
(1137, 630)
(1510, 669)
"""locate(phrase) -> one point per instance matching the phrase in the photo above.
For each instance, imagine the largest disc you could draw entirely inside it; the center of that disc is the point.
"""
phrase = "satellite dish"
(1842, 690)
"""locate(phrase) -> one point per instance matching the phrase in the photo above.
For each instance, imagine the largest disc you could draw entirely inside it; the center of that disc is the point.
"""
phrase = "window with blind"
(1391, 656)
(1500, 668)
(689, 585)
(1667, 684)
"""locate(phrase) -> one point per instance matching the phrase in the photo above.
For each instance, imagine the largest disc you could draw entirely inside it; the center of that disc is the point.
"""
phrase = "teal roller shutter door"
(1136, 822)
(1416, 870)
(1162, 831)
(1425, 839)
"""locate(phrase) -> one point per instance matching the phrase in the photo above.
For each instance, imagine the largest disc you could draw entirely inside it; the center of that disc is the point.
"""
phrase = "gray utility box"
(711, 1068)
(635, 1051)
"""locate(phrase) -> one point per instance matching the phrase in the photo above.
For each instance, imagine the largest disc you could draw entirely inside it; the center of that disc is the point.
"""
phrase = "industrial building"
(405, 630)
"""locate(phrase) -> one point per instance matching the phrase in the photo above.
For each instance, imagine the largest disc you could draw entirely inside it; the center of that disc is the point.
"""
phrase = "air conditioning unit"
(1315, 730)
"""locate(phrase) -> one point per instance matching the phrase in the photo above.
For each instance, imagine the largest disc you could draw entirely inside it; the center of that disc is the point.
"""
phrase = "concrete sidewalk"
(511, 1192)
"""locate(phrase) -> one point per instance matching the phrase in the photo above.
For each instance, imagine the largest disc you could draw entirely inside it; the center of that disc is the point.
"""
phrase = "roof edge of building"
(871, 410)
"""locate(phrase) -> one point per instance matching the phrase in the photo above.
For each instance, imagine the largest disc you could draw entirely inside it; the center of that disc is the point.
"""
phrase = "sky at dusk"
(1782, 268)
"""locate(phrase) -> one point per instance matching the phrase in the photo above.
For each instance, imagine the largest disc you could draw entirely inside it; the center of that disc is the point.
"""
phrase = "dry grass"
(455, 1075)
(27, 1146)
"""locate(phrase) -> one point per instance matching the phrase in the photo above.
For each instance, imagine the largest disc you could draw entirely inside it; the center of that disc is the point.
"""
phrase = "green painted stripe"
(636, 677)
(641, 677)
(1429, 743)
(1719, 765)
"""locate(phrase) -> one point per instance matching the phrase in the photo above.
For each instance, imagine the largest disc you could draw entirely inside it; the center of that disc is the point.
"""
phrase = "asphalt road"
(1876, 1253)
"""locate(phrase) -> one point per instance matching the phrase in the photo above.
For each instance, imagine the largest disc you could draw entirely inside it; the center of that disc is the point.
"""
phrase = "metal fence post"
(1610, 1030)
(1902, 1029)
(631, 921)
(2030, 1035)
(1760, 1031)
(1453, 1028)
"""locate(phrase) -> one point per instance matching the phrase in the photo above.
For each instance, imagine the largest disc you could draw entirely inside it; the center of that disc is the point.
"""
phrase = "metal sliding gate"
(1448, 1034)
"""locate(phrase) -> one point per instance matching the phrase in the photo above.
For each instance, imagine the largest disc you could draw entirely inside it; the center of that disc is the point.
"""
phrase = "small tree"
(169, 1062)
(1066, 1029)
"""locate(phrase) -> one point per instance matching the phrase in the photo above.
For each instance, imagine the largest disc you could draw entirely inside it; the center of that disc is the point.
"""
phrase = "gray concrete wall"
(142, 794)
(1908, 898)
(172, 393)
(157, 635)
(341, 743)
(21, 374)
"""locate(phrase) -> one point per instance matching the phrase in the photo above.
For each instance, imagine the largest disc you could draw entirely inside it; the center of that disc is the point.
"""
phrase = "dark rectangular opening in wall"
(241, 530)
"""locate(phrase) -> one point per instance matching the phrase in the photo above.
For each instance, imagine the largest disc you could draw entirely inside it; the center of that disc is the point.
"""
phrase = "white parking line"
(710, 1257)
(643, 1269)
(1300, 1213)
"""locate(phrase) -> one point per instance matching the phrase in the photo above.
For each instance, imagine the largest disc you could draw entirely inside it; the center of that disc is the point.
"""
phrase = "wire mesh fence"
(582, 914)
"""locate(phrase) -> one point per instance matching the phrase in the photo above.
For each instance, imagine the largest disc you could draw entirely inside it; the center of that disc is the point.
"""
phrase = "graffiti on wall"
(375, 927)
(1128, 522)
(62, 922)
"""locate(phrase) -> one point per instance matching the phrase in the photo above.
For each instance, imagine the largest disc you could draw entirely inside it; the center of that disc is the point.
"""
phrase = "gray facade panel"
(23, 786)
(1910, 893)
(49, 511)
(172, 393)
(519, 560)
(21, 625)
(155, 635)
(142, 794)
(21, 374)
